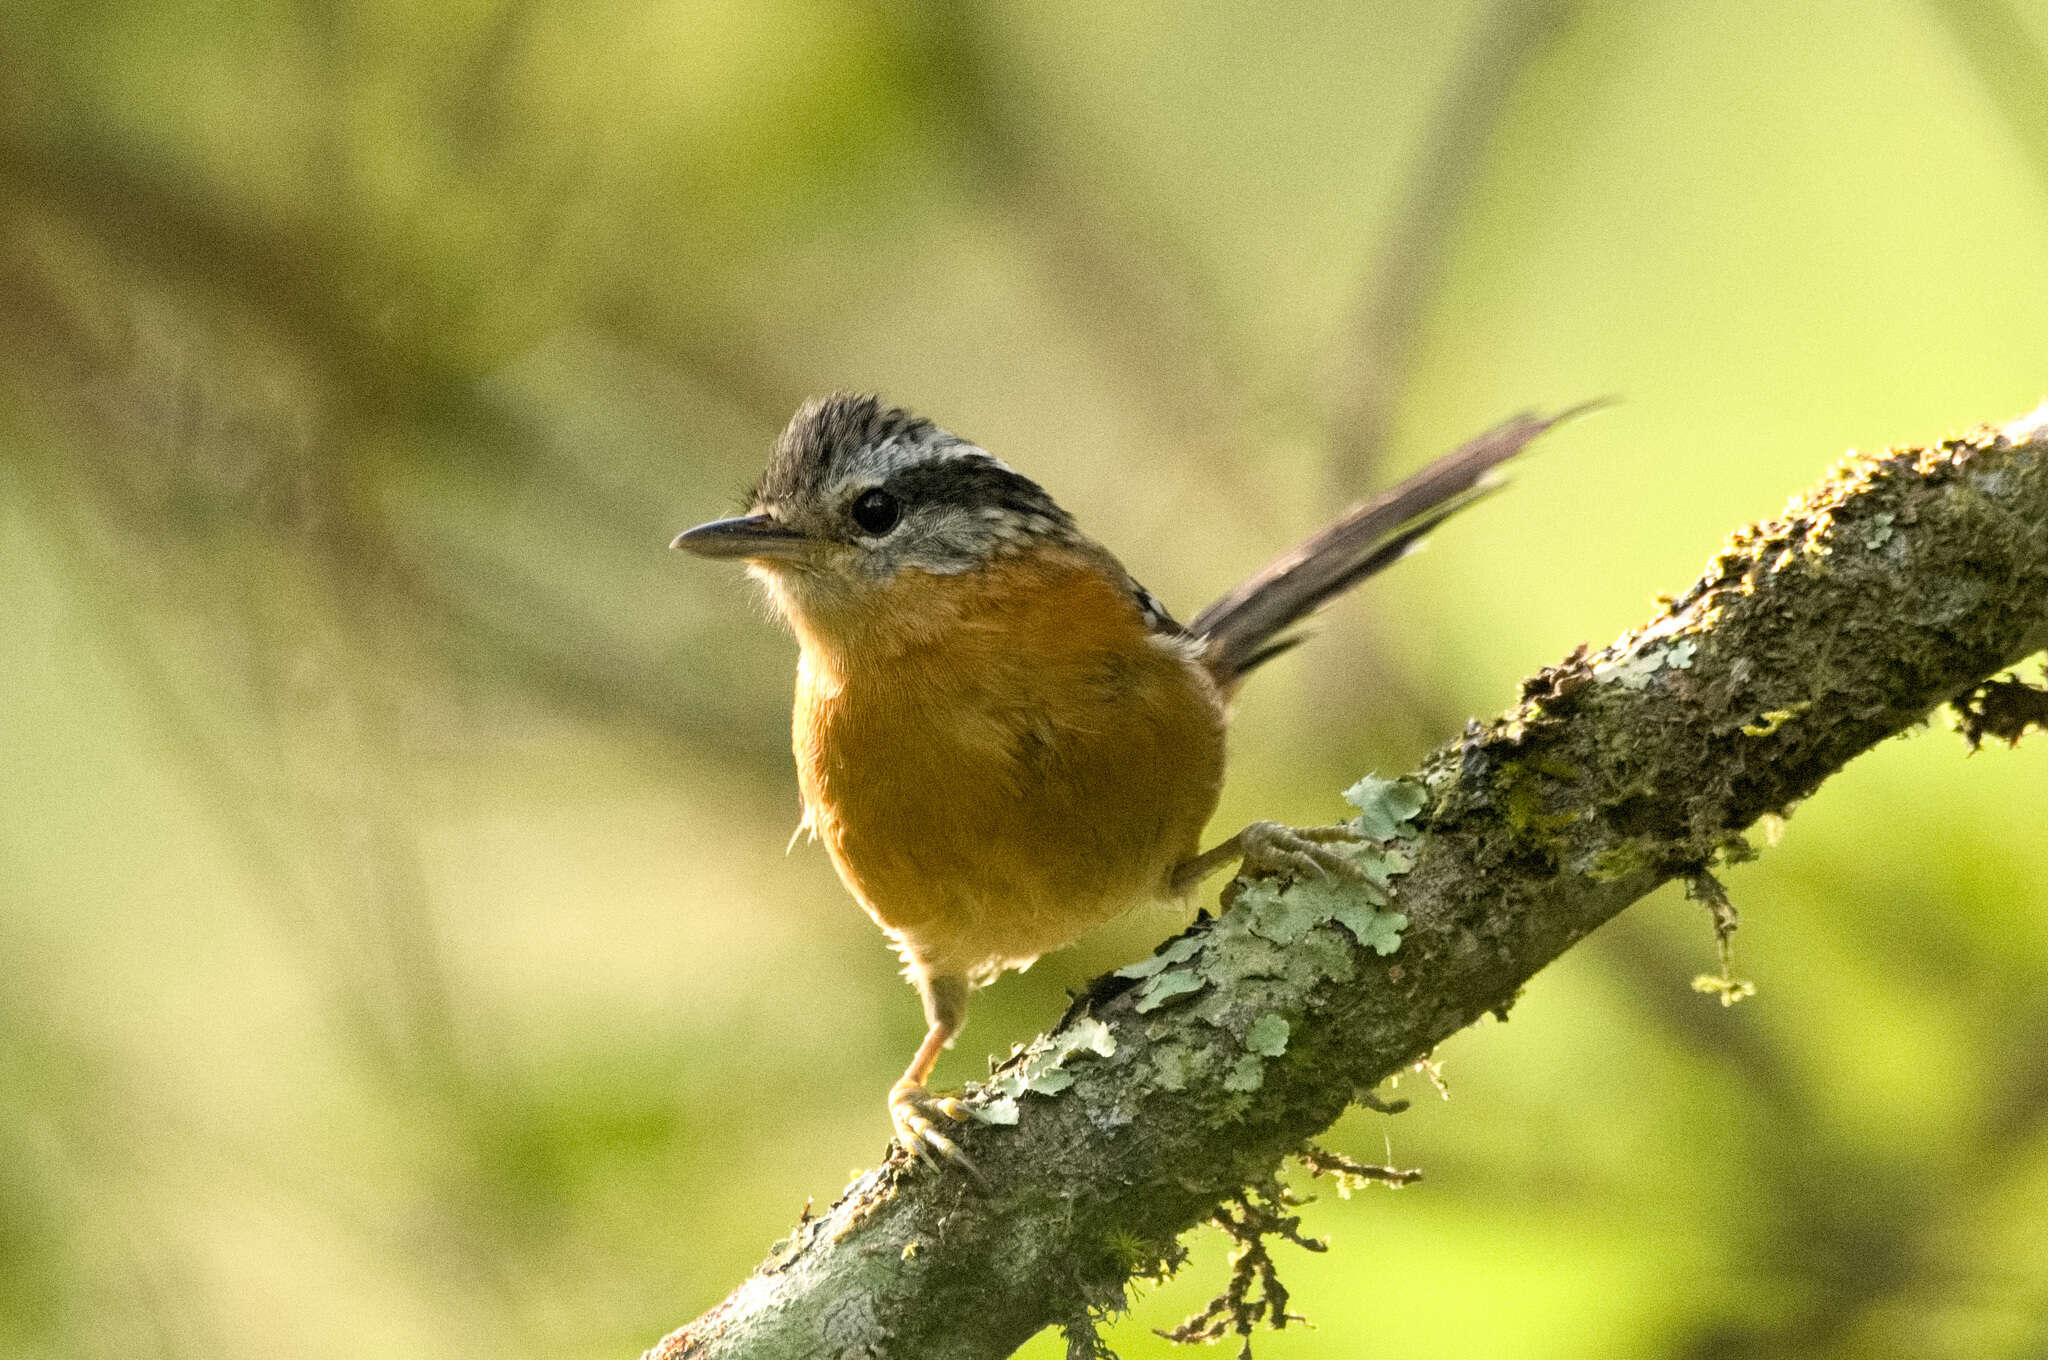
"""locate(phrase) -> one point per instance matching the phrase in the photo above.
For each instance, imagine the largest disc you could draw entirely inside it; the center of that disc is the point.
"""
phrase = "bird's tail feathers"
(1247, 627)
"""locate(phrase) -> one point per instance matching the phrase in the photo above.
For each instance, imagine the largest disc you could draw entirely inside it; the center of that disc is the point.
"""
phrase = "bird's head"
(859, 495)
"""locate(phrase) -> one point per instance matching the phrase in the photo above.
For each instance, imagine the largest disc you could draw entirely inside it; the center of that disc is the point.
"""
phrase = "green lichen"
(1379, 931)
(1288, 916)
(1050, 1083)
(1092, 1035)
(1041, 1069)
(1525, 802)
(1635, 671)
(1282, 917)
(1247, 1074)
(1176, 1065)
(1775, 719)
(1274, 929)
(1378, 865)
(1386, 806)
(1178, 951)
(1241, 954)
(1323, 954)
(1618, 862)
(1166, 986)
(1268, 1035)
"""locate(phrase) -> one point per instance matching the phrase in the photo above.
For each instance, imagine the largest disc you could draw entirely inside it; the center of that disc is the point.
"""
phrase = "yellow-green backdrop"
(398, 953)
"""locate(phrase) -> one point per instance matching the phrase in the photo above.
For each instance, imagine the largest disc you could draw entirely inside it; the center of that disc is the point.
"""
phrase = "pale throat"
(847, 623)
(827, 625)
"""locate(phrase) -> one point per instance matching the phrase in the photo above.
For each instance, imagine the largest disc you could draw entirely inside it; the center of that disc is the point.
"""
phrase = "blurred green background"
(400, 953)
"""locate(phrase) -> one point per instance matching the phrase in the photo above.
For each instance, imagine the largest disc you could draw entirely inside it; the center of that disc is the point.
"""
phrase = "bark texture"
(1900, 583)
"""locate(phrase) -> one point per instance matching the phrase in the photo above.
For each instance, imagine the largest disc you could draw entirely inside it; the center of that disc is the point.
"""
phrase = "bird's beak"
(748, 536)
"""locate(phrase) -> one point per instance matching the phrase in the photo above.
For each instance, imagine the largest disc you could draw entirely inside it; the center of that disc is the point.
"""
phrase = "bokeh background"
(398, 953)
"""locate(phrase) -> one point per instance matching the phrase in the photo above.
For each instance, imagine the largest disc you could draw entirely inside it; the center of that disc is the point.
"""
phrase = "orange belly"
(991, 780)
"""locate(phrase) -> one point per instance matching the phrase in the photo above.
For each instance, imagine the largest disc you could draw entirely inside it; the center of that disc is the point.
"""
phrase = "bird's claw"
(1298, 852)
(915, 1112)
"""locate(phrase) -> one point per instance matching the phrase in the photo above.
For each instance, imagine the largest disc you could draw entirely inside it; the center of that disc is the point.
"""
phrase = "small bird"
(1001, 737)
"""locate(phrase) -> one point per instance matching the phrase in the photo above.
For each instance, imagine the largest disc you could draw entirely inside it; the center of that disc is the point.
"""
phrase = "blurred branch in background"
(299, 306)
(1851, 1261)
(2011, 69)
(222, 519)
(1156, 324)
(389, 341)
(72, 1243)
(1369, 372)
(1619, 771)
(363, 749)
(220, 403)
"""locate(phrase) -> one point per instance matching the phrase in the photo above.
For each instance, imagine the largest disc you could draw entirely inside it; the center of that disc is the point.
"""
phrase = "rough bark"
(1902, 582)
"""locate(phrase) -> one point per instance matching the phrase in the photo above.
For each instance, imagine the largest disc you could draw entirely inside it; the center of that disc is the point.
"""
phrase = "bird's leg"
(912, 1109)
(1270, 848)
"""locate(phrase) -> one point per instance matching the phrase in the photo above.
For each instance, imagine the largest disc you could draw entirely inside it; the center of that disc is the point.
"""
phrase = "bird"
(1001, 738)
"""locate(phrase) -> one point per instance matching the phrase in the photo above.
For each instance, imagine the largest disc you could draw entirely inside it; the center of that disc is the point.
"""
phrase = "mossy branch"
(1903, 582)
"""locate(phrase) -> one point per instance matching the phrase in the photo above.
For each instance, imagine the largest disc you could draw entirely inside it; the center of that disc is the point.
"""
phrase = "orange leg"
(936, 1039)
(913, 1110)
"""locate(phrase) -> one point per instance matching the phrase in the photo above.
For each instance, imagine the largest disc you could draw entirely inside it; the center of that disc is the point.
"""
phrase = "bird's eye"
(876, 512)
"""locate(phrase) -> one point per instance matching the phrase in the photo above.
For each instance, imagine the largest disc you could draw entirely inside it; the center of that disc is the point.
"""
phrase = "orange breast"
(1008, 760)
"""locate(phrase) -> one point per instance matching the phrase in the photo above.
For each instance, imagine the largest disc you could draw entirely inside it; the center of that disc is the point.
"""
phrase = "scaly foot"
(915, 1112)
(1297, 852)
(1270, 848)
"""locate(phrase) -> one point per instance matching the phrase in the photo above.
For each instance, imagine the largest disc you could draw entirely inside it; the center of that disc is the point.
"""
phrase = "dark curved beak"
(745, 536)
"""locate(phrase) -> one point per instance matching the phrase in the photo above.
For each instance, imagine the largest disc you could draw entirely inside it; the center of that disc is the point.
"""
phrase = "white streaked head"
(857, 489)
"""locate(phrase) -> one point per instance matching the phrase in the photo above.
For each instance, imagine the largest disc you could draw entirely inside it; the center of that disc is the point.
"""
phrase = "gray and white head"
(861, 491)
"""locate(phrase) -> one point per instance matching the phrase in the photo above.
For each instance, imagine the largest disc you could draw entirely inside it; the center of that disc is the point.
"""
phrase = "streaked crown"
(893, 491)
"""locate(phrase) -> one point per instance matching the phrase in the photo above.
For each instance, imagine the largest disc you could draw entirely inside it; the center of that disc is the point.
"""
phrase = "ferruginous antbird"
(1001, 738)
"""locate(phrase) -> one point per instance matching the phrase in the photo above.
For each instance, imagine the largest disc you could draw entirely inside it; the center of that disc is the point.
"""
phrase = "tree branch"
(1900, 583)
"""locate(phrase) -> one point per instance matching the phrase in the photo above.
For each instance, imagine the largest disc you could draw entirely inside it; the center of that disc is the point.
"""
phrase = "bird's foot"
(916, 1113)
(1304, 852)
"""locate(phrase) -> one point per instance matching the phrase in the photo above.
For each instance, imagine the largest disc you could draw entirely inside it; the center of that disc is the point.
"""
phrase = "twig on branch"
(1902, 582)
(1704, 887)
(2005, 708)
(1248, 1218)
(1349, 1175)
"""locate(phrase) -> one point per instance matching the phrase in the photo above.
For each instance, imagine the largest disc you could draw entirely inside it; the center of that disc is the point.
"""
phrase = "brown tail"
(1244, 628)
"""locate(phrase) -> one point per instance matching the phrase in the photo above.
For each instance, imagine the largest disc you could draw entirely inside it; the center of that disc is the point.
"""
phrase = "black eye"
(876, 512)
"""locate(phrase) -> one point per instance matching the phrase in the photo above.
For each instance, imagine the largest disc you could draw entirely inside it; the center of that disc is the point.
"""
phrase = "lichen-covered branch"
(1904, 581)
